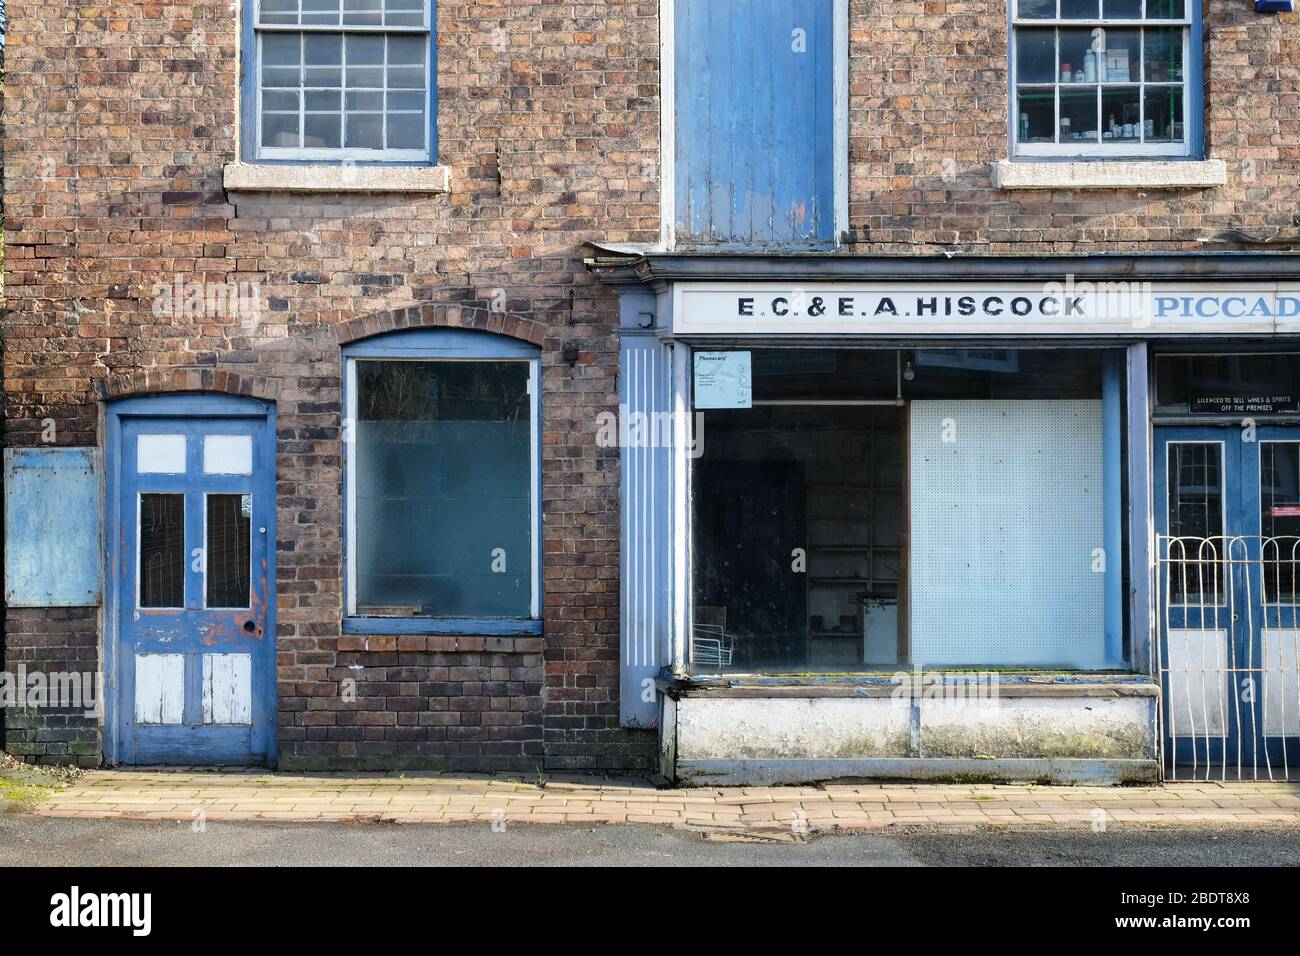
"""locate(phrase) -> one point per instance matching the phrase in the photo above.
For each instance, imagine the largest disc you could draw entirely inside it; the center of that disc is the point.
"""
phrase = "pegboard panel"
(1006, 514)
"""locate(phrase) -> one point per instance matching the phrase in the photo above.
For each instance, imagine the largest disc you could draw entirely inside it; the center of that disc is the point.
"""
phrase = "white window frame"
(1102, 149)
(342, 153)
(534, 493)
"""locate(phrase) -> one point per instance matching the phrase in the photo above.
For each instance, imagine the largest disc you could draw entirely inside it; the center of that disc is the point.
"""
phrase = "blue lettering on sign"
(1227, 307)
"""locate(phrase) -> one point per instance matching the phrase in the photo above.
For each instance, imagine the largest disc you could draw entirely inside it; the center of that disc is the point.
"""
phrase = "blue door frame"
(1221, 582)
(190, 683)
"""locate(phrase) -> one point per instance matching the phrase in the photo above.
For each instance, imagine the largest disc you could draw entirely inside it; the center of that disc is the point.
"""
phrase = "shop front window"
(869, 509)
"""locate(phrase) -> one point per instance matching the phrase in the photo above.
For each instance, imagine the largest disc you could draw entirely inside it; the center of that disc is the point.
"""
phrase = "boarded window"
(755, 122)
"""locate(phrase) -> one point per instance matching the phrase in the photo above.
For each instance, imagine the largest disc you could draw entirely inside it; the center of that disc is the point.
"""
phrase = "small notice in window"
(1285, 511)
(723, 380)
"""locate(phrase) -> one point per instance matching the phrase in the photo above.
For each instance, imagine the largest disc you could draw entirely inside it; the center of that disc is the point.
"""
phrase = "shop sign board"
(1135, 309)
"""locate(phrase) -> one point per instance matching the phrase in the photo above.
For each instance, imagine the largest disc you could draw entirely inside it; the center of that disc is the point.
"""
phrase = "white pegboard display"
(1006, 515)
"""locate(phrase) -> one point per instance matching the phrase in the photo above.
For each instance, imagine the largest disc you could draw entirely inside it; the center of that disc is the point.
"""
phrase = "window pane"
(1229, 384)
(279, 129)
(365, 131)
(320, 12)
(323, 53)
(1164, 114)
(280, 102)
(162, 550)
(280, 58)
(229, 554)
(443, 489)
(1122, 9)
(324, 102)
(1195, 521)
(1279, 470)
(1037, 119)
(368, 13)
(1120, 52)
(1079, 115)
(1121, 114)
(1164, 55)
(1075, 46)
(1079, 9)
(1166, 9)
(406, 131)
(1036, 56)
(1036, 9)
(278, 12)
(323, 130)
(365, 101)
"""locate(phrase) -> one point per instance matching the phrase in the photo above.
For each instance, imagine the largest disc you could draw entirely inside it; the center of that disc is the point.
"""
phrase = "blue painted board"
(52, 522)
(754, 123)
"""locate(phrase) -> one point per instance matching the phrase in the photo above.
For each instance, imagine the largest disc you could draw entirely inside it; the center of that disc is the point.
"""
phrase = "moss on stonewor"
(23, 787)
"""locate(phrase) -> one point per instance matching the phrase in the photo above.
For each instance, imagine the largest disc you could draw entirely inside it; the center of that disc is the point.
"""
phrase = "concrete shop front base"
(1048, 729)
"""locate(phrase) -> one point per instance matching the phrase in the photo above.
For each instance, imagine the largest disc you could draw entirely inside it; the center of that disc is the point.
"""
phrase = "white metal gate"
(1228, 656)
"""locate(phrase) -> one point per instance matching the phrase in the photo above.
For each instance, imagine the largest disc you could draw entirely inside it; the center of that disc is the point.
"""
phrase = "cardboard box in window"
(1118, 67)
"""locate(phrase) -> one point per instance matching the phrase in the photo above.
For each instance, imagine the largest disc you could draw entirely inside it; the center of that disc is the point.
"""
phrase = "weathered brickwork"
(928, 121)
(62, 641)
(120, 117)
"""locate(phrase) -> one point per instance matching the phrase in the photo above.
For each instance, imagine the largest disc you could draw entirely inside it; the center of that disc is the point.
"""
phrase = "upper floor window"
(1104, 78)
(343, 79)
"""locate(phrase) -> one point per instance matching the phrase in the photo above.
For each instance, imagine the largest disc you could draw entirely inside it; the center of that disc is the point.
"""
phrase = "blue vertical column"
(645, 618)
(1112, 437)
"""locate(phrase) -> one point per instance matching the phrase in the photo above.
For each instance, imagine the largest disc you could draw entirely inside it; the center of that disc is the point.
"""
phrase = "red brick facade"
(119, 120)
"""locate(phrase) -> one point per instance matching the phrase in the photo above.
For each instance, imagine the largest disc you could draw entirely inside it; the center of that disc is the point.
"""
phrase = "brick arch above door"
(162, 381)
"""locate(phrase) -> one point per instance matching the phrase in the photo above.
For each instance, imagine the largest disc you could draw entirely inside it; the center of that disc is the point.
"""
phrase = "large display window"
(868, 509)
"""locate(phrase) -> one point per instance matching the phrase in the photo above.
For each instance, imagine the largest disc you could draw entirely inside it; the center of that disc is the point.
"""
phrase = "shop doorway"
(1227, 505)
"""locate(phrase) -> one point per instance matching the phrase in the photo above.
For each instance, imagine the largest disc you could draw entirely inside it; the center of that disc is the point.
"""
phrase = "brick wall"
(121, 115)
(59, 640)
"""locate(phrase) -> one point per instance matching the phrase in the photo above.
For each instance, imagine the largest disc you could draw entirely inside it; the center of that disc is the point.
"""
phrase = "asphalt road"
(35, 841)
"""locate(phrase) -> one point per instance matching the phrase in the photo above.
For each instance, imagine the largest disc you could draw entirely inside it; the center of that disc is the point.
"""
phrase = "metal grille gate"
(1228, 656)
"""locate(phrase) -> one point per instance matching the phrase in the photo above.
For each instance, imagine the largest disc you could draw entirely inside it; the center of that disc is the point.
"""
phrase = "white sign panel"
(723, 380)
(1120, 308)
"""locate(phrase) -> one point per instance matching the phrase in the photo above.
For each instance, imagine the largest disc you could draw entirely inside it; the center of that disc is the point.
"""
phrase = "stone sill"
(1009, 685)
(316, 178)
(1129, 174)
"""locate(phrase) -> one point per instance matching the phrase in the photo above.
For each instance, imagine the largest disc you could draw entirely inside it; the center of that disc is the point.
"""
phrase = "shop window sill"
(1018, 684)
(317, 178)
(459, 627)
(1134, 174)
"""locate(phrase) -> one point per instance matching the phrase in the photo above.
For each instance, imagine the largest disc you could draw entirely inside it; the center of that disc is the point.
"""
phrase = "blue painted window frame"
(203, 405)
(250, 118)
(464, 345)
(1194, 102)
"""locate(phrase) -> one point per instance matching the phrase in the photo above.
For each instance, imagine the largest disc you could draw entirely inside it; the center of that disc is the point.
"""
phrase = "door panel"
(194, 655)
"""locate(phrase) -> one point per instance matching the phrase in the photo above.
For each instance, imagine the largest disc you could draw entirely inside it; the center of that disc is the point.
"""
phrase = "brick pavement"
(180, 794)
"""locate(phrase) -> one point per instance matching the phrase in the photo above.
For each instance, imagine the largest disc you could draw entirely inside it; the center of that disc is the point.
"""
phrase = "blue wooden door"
(195, 658)
(1227, 503)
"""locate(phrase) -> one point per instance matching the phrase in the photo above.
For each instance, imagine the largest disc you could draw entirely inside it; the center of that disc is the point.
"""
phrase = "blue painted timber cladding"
(755, 123)
(52, 526)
